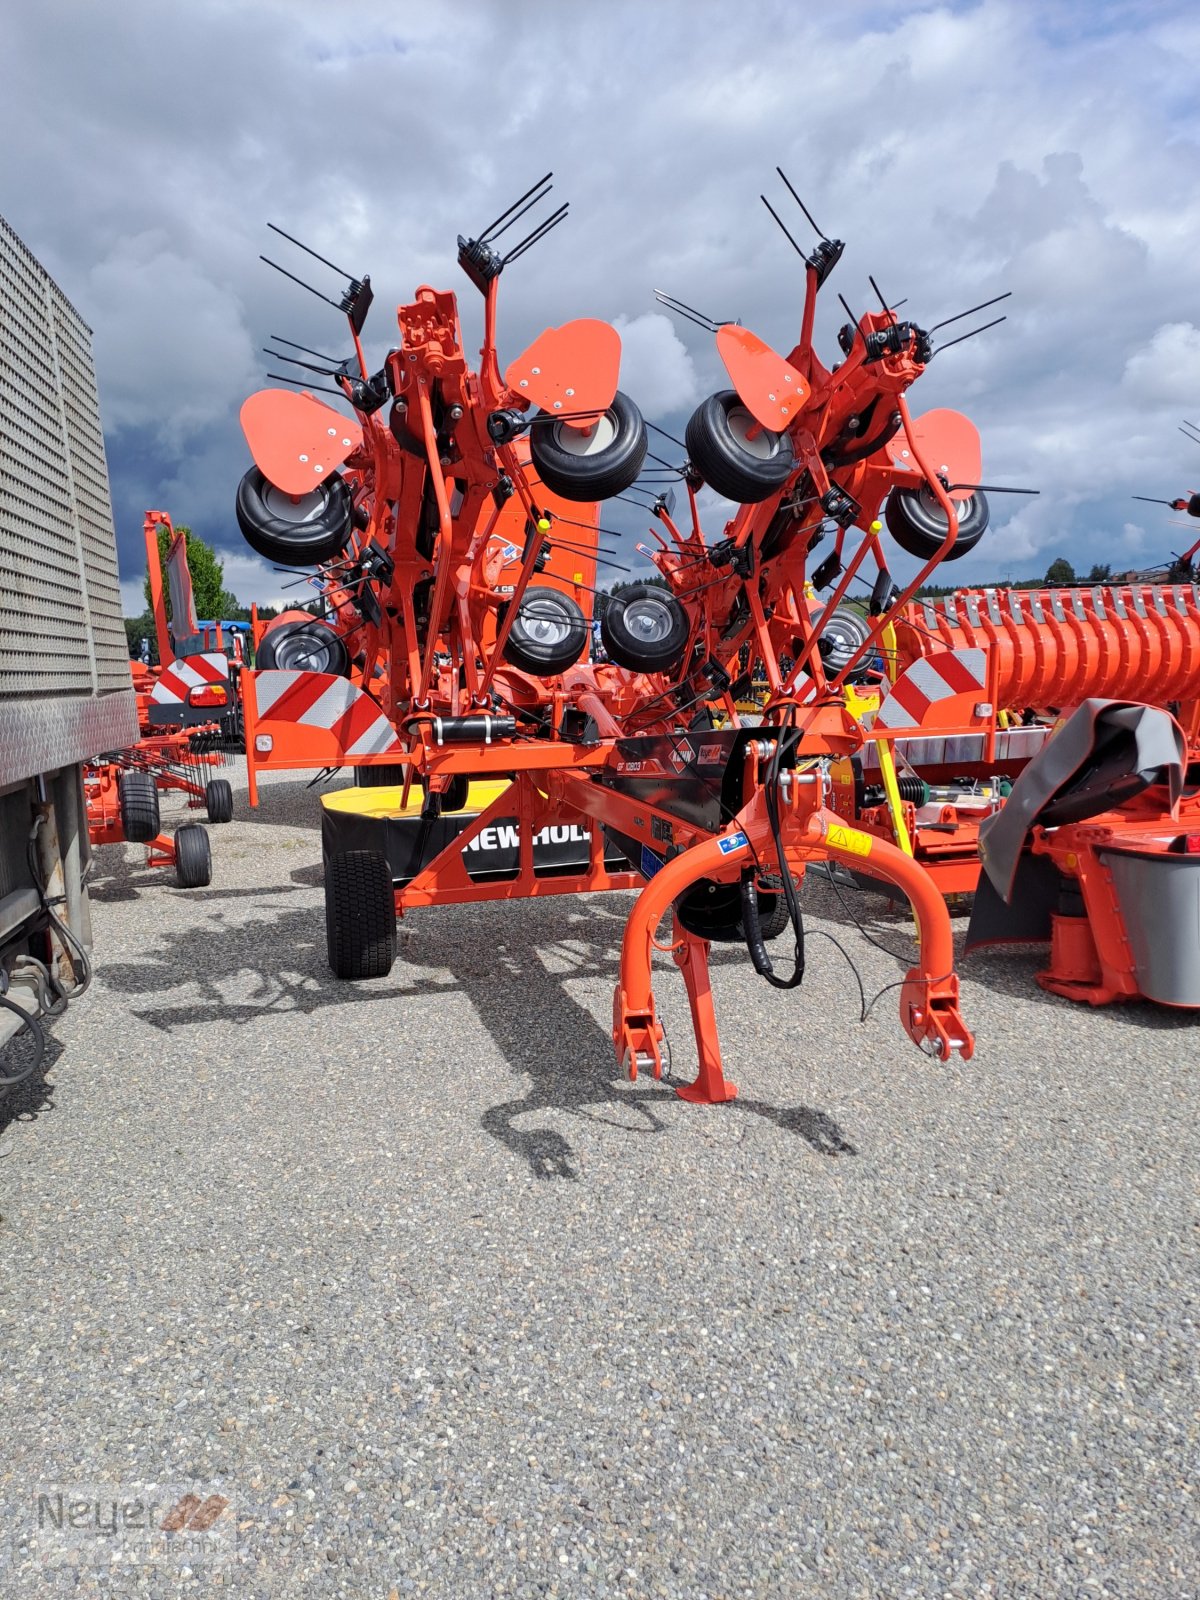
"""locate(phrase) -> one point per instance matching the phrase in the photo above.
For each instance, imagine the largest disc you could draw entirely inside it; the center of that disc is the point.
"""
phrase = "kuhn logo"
(682, 755)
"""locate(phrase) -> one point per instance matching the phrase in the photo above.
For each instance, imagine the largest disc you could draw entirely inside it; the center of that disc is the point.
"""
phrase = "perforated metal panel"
(60, 606)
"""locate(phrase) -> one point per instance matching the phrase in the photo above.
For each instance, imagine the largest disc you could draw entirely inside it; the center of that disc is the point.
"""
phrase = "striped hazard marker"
(320, 701)
(189, 672)
(947, 687)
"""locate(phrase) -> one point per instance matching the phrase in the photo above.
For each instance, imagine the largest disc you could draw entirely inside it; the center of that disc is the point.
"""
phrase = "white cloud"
(959, 150)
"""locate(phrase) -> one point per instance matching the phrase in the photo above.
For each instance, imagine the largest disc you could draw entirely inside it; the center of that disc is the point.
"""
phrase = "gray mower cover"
(1106, 752)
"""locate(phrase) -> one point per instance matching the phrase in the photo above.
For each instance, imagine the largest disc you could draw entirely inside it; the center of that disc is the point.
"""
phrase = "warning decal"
(842, 838)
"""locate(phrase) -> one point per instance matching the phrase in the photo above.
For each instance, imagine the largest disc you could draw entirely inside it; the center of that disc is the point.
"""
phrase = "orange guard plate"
(771, 388)
(296, 441)
(570, 369)
(950, 444)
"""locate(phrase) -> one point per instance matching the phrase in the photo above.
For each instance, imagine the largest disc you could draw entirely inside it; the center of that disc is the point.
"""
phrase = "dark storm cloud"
(960, 150)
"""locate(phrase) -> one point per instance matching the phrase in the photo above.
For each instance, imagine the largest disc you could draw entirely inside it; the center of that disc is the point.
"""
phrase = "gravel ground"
(441, 1306)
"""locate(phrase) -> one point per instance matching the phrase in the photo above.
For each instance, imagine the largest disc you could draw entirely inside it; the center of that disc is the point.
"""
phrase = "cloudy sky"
(960, 150)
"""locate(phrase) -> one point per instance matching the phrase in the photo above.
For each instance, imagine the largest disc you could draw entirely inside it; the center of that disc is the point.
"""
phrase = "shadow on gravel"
(513, 963)
(26, 1101)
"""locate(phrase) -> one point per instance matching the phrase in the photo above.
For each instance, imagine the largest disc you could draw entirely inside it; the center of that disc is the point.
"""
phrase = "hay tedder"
(455, 527)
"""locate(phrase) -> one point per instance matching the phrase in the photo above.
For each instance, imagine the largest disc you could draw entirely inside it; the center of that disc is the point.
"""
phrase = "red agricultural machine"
(181, 707)
(454, 525)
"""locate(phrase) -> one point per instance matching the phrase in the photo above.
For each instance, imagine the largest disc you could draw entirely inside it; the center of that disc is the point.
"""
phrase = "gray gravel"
(445, 1308)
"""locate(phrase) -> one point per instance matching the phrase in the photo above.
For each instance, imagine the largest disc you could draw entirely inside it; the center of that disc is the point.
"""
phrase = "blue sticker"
(736, 841)
(650, 862)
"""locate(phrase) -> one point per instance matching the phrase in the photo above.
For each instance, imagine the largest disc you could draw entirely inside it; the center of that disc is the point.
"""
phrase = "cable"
(11, 1079)
(65, 935)
(895, 954)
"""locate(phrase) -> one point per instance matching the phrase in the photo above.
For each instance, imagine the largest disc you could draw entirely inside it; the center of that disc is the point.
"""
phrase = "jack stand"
(711, 1086)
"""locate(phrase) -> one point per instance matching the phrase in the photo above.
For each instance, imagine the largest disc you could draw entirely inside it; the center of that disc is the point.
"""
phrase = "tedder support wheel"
(590, 466)
(549, 633)
(645, 629)
(304, 647)
(918, 524)
(138, 799)
(193, 857)
(218, 800)
(296, 532)
(360, 914)
(733, 454)
(714, 910)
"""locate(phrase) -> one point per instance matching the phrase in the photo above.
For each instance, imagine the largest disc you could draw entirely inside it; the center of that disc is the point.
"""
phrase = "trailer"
(65, 689)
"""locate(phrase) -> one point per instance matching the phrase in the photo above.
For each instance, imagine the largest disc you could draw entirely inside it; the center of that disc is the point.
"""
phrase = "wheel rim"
(931, 504)
(303, 654)
(844, 634)
(284, 509)
(544, 624)
(648, 621)
(763, 445)
(575, 443)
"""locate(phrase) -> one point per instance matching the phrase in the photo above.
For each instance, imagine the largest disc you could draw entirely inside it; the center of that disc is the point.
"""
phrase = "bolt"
(570, 392)
(346, 442)
(524, 383)
(304, 458)
(537, 371)
(558, 405)
(456, 413)
(332, 432)
(770, 397)
(318, 469)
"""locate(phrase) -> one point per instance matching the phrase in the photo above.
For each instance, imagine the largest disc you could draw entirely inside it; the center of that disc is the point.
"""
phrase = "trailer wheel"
(360, 914)
(737, 465)
(646, 629)
(590, 466)
(218, 800)
(918, 524)
(137, 797)
(304, 647)
(298, 532)
(549, 633)
(193, 856)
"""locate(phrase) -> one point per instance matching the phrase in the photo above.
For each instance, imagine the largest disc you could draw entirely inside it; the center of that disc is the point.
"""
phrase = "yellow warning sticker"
(851, 839)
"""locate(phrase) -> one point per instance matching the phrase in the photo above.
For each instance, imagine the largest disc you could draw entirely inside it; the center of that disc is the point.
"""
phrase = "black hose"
(789, 738)
(10, 1079)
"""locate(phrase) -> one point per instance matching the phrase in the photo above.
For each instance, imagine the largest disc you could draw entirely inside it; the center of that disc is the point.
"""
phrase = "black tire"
(304, 647)
(549, 633)
(295, 532)
(918, 524)
(193, 857)
(742, 469)
(646, 629)
(137, 797)
(385, 777)
(218, 800)
(360, 914)
(714, 910)
(580, 466)
(454, 797)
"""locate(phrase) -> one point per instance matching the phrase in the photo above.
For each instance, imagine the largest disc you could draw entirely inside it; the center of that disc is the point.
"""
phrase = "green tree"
(213, 600)
(1099, 573)
(137, 629)
(1060, 573)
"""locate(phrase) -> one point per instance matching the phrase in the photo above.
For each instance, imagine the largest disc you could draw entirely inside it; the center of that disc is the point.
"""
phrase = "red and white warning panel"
(192, 689)
(311, 719)
(945, 690)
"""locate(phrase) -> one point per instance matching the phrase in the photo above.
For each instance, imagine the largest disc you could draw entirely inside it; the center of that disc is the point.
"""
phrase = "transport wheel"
(714, 910)
(360, 914)
(918, 524)
(304, 647)
(137, 797)
(193, 857)
(386, 777)
(296, 533)
(736, 465)
(549, 633)
(646, 629)
(590, 466)
(218, 800)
